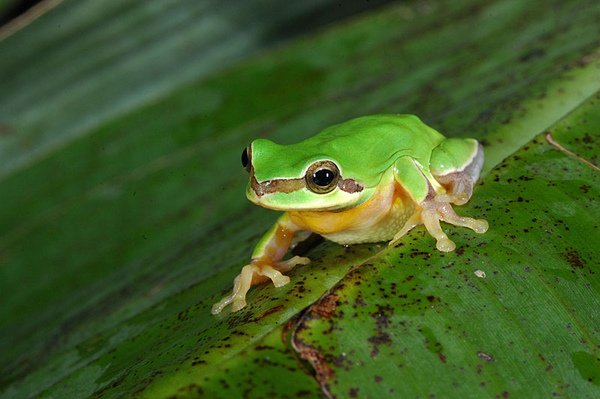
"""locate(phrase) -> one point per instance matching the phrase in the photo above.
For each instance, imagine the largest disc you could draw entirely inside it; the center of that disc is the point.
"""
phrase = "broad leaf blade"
(511, 313)
(85, 63)
(143, 219)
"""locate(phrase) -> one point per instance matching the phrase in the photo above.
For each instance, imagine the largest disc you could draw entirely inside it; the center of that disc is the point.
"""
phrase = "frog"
(370, 179)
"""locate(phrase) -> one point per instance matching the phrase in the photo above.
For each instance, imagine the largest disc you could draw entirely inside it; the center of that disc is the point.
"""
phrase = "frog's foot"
(255, 273)
(439, 208)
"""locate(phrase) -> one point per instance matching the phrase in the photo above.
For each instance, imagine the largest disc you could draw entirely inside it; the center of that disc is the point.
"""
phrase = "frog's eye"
(322, 177)
(246, 159)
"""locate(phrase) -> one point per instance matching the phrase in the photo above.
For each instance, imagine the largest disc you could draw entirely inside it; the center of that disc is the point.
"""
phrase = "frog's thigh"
(411, 179)
(456, 164)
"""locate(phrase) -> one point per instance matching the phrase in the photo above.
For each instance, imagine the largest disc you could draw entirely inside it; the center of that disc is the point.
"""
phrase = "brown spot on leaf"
(575, 260)
(376, 340)
(323, 372)
(268, 312)
(326, 306)
(382, 316)
(442, 357)
(584, 188)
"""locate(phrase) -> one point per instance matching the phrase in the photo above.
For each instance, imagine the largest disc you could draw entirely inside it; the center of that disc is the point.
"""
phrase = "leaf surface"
(511, 313)
(114, 244)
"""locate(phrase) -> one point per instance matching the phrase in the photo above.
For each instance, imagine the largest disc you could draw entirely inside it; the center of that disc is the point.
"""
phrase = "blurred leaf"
(87, 62)
(6, 6)
(115, 240)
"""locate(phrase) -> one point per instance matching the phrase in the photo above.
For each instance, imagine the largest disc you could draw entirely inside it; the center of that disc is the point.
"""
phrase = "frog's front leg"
(266, 264)
(435, 190)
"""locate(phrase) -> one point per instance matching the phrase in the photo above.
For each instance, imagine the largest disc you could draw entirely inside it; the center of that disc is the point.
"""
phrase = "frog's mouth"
(290, 185)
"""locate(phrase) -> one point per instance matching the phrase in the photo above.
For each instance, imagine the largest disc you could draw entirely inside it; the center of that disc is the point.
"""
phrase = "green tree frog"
(370, 179)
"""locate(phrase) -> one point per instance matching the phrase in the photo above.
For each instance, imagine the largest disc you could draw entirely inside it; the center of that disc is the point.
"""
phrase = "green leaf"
(512, 313)
(123, 216)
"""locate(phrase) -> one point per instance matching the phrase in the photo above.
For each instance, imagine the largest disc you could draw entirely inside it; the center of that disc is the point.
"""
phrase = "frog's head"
(301, 177)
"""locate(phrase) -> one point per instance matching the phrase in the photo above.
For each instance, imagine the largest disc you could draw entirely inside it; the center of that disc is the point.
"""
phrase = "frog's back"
(364, 148)
(375, 142)
(400, 129)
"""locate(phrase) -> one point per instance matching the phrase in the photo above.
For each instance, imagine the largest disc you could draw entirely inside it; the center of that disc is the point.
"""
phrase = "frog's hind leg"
(456, 165)
(435, 192)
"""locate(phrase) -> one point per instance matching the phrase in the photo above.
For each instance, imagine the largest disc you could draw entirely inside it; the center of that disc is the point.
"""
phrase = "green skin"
(382, 141)
(373, 152)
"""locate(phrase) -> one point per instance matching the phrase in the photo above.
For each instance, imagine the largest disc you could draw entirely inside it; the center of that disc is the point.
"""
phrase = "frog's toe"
(238, 304)
(278, 279)
(480, 226)
(439, 209)
(445, 245)
(287, 265)
(448, 215)
(284, 280)
(460, 198)
(219, 306)
(241, 285)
